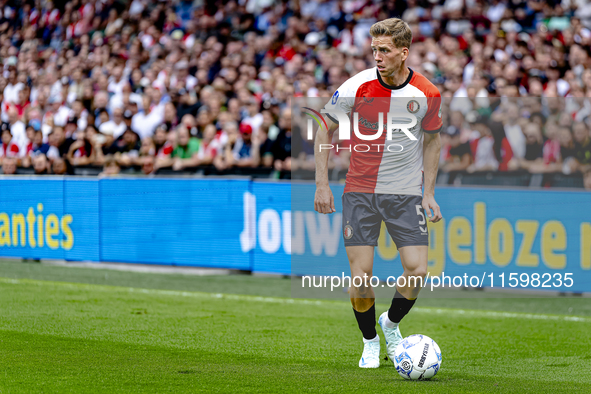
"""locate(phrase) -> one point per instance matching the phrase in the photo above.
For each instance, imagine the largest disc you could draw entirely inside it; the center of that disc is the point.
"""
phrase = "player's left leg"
(414, 262)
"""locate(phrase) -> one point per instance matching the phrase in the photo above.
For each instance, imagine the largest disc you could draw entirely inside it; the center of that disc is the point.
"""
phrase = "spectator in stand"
(8, 148)
(149, 165)
(128, 115)
(582, 140)
(209, 150)
(254, 117)
(534, 147)
(37, 145)
(502, 147)
(117, 123)
(458, 156)
(457, 120)
(483, 147)
(145, 122)
(9, 165)
(265, 147)
(59, 166)
(111, 167)
(82, 152)
(242, 152)
(71, 127)
(552, 161)
(13, 86)
(59, 110)
(513, 131)
(127, 148)
(30, 132)
(18, 130)
(106, 140)
(23, 103)
(587, 179)
(40, 164)
(302, 152)
(187, 148)
(187, 104)
(282, 146)
(59, 144)
(163, 147)
(26, 159)
(567, 150)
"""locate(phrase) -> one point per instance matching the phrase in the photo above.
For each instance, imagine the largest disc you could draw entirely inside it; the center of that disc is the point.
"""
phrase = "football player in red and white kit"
(386, 174)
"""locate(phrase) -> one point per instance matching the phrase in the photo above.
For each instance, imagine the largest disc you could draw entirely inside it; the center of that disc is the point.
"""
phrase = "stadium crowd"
(178, 84)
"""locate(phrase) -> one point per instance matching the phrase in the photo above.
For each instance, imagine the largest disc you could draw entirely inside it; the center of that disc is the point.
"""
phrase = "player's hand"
(324, 200)
(430, 204)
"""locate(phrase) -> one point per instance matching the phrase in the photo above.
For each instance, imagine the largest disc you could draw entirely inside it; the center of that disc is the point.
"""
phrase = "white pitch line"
(505, 315)
(297, 301)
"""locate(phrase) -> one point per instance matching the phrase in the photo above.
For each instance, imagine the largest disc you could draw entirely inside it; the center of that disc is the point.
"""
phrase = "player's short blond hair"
(398, 29)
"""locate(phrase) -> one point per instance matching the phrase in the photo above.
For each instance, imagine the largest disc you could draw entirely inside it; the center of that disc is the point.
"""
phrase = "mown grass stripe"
(297, 301)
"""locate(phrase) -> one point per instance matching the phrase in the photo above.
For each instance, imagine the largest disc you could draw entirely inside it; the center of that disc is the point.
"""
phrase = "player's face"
(389, 58)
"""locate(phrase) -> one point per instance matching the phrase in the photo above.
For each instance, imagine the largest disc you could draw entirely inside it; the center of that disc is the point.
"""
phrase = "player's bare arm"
(431, 152)
(323, 199)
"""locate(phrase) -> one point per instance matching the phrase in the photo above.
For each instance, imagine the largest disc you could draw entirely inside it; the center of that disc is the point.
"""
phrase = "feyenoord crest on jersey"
(413, 106)
(348, 232)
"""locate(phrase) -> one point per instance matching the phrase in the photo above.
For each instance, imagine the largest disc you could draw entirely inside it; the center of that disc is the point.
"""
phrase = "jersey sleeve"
(432, 122)
(343, 99)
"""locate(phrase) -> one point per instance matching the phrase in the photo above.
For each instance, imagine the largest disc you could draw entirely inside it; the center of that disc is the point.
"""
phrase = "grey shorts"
(404, 216)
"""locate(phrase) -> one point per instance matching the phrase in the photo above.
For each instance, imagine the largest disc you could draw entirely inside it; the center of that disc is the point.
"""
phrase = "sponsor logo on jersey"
(348, 232)
(335, 97)
(368, 100)
(368, 124)
(393, 122)
(413, 106)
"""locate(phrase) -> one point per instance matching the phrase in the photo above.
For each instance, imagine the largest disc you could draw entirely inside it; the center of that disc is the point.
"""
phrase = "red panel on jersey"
(432, 121)
(371, 99)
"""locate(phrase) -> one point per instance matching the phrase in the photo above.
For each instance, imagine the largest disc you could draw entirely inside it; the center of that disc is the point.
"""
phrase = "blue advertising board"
(272, 227)
(172, 221)
(49, 218)
(506, 238)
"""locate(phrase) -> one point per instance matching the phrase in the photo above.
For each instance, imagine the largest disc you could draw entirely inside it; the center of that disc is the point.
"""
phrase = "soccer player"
(385, 182)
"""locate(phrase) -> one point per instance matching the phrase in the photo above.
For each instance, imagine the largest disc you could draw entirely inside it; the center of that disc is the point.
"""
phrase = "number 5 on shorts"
(422, 221)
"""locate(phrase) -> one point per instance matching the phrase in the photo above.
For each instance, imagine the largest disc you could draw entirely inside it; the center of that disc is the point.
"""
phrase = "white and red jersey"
(213, 147)
(51, 17)
(388, 166)
(10, 150)
(165, 150)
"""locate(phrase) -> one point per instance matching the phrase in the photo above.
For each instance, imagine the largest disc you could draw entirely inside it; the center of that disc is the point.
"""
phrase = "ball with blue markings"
(417, 357)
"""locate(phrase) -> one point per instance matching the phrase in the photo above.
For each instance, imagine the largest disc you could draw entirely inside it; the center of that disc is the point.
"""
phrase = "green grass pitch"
(81, 330)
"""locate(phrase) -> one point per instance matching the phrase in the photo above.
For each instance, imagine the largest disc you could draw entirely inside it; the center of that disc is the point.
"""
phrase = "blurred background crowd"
(167, 86)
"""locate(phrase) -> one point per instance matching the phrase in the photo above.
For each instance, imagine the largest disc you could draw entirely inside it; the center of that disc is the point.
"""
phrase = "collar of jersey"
(384, 84)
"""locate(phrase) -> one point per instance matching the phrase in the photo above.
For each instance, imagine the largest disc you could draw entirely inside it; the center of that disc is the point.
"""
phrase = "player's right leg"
(363, 301)
(361, 229)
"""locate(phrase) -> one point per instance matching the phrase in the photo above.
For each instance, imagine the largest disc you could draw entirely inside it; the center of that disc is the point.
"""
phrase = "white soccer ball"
(417, 357)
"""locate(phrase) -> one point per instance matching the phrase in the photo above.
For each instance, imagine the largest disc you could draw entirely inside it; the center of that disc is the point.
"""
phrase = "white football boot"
(371, 353)
(393, 336)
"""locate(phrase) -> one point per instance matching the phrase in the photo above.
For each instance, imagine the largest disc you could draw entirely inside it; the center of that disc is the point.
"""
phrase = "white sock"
(376, 339)
(389, 323)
